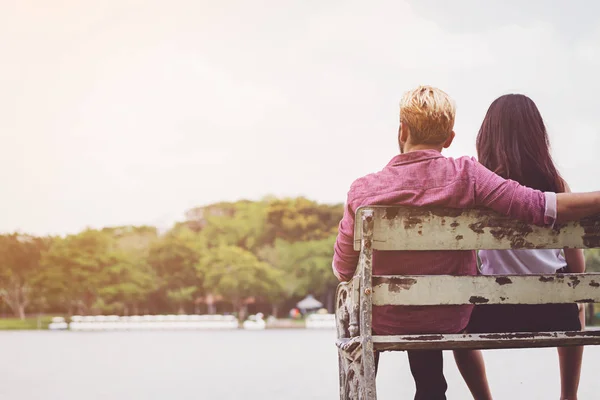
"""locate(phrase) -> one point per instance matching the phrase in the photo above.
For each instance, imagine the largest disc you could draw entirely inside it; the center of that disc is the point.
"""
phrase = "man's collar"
(414, 156)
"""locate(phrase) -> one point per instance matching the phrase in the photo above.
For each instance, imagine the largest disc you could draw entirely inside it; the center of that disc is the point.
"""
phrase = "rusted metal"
(485, 341)
(485, 289)
(348, 342)
(404, 228)
(353, 306)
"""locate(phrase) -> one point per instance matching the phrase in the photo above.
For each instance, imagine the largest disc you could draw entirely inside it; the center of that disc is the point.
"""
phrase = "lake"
(233, 365)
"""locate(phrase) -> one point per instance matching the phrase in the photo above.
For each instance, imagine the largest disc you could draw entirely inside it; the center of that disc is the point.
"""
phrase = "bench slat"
(489, 289)
(485, 341)
(409, 228)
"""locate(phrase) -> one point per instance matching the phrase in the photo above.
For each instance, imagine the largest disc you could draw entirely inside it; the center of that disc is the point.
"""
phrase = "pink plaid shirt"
(427, 178)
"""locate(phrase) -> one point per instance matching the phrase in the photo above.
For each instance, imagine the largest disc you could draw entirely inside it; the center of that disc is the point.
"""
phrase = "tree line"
(225, 257)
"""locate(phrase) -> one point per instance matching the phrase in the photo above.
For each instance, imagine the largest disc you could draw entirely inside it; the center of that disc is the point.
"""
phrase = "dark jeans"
(427, 368)
(490, 318)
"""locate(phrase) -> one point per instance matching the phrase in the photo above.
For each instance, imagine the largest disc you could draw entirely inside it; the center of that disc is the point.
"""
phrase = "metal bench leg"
(348, 343)
(357, 369)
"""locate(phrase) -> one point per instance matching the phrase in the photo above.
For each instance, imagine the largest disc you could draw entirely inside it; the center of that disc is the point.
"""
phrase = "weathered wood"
(365, 266)
(485, 341)
(491, 289)
(403, 228)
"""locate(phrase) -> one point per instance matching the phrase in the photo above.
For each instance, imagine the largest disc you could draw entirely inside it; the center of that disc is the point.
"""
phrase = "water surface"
(233, 365)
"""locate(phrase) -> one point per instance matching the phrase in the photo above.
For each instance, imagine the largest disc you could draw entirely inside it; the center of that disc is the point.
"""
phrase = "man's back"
(427, 178)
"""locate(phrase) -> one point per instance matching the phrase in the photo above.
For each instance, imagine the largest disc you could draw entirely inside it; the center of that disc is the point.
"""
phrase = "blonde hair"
(428, 113)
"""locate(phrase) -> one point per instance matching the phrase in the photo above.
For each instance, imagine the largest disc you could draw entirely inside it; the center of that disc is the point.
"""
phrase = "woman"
(513, 142)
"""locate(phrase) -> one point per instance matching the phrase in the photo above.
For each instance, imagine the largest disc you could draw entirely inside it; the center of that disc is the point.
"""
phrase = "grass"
(28, 323)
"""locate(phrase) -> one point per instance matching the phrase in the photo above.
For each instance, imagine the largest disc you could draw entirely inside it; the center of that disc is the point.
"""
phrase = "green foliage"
(173, 259)
(181, 296)
(237, 274)
(240, 224)
(126, 283)
(20, 269)
(75, 267)
(273, 250)
(307, 265)
(299, 219)
(592, 260)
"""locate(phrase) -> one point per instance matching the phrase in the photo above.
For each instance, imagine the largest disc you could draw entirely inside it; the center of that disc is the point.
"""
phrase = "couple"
(515, 176)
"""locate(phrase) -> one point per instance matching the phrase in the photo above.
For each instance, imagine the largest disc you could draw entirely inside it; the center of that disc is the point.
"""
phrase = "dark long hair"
(513, 142)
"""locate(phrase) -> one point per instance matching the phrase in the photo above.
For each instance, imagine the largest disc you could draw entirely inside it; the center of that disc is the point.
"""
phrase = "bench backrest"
(406, 228)
(387, 228)
(403, 228)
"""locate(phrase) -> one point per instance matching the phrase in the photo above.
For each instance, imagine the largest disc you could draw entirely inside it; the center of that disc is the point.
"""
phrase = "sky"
(131, 112)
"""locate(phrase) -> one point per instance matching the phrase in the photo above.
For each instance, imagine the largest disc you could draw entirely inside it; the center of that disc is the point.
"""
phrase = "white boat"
(255, 322)
(58, 324)
(320, 321)
(152, 322)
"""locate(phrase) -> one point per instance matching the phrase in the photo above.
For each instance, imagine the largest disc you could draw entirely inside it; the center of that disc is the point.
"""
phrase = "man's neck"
(409, 147)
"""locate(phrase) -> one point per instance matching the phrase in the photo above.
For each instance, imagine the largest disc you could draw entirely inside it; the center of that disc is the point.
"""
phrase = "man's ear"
(448, 141)
(402, 133)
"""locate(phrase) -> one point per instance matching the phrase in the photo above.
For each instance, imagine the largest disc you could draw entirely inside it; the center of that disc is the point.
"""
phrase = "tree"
(181, 296)
(300, 219)
(237, 274)
(173, 259)
(20, 269)
(197, 217)
(274, 249)
(75, 267)
(240, 224)
(306, 266)
(592, 260)
(127, 283)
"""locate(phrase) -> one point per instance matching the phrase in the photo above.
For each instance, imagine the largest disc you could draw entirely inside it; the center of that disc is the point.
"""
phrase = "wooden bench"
(399, 228)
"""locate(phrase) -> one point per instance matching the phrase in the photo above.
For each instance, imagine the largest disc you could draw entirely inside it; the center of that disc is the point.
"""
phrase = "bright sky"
(130, 112)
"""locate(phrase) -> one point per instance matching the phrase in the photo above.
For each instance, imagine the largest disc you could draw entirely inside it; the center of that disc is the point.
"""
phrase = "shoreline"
(42, 323)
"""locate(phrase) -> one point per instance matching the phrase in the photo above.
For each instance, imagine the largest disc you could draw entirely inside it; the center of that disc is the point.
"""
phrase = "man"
(422, 176)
